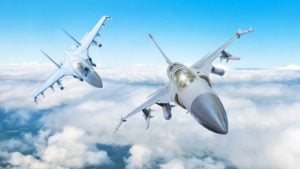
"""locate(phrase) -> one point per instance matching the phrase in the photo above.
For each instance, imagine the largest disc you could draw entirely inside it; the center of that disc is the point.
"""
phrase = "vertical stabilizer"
(161, 51)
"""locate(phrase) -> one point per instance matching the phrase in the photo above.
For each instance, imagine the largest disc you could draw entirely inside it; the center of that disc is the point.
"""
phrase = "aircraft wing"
(160, 96)
(54, 78)
(204, 64)
(89, 38)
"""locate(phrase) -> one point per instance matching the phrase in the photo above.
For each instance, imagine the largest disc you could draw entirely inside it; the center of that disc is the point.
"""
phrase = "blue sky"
(186, 30)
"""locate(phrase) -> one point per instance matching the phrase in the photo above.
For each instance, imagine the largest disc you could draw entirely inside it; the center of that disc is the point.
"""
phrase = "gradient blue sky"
(186, 30)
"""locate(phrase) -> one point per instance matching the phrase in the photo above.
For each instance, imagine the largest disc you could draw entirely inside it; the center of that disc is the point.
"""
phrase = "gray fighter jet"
(77, 62)
(190, 88)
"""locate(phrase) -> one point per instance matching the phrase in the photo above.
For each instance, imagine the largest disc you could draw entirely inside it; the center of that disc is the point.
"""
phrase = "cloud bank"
(65, 128)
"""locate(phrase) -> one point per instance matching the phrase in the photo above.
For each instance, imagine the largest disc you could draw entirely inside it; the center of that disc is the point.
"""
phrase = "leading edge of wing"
(89, 38)
(158, 96)
(54, 78)
(208, 59)
(161, 95)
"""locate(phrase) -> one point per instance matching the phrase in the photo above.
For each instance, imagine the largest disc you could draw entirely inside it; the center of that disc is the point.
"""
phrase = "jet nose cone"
(94, 79)
(209, 111)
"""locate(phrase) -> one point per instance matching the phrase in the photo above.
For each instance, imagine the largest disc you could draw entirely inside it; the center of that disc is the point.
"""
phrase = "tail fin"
(78, 43)
(161, 51)
(56, 64)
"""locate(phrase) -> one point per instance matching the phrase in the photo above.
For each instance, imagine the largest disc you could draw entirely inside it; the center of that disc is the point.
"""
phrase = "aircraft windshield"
(82, 68)
(79, 66)
(183, 77)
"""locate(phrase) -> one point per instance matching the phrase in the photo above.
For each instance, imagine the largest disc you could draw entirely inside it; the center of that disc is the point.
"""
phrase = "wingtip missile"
(103, 19)
(122, 120)
(108, 17)
(239, 33)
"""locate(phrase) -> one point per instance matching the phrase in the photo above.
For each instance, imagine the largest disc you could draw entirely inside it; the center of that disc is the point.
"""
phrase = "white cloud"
(173, 164)
(71, 148)
(193, 163)
(19, 161)
(140, 157)
(262, 107)
(287, 144)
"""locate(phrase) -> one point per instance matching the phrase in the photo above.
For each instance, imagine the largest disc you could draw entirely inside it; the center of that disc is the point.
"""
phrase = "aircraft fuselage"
(83, 69)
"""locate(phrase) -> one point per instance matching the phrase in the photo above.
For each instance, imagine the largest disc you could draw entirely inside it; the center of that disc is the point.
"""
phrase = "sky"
(186, 30)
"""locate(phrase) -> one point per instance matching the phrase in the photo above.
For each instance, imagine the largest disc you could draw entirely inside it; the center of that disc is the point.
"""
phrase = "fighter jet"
(190, 88)
(77, 62)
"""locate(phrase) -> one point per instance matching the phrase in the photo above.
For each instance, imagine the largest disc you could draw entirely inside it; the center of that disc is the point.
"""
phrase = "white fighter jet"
(77, 62)
(190, 88)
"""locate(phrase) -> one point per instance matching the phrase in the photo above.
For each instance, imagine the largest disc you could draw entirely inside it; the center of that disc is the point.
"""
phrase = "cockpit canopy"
(182, 75)
(81, 67)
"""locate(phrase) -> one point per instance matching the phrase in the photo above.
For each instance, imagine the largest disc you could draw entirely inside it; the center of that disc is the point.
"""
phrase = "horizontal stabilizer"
(56, 64)
(75, 40)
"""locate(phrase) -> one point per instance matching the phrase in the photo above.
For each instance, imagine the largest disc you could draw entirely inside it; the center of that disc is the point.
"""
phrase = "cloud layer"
(64, 129)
